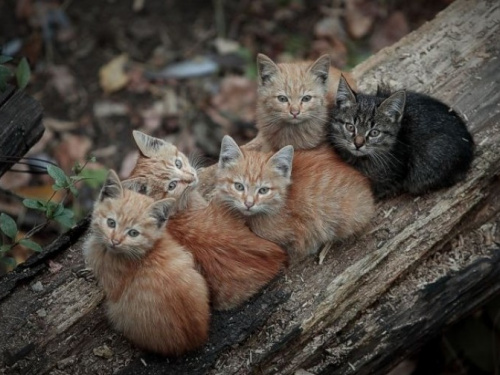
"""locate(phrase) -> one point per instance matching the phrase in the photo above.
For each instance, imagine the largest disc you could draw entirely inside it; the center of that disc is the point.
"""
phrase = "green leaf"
(23, 73)
(66, 218)
(5, 248)
(5, 74)
(94, 177)
(74, 190)
(35, 204)
(4, 59)
(92, 159)
(58, 175)
(8, 226)
(9, 262)
(31, 245)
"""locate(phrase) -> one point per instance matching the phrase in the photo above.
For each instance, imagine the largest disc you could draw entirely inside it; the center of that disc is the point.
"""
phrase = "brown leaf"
(390, 31)
(112, 76)
(360, 16)
(72, 148)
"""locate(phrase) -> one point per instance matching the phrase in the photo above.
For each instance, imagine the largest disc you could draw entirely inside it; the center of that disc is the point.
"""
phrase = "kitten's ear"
(320, 68)
(394, 106)
(138, 184)
(282, 161)
(149, 146)
(345, 95)
(229, 152)
(112, 187)
(266, 69)
(161, 210)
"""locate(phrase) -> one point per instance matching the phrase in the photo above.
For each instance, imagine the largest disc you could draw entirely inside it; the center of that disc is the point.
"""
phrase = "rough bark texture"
(424, 263)
(20, 126)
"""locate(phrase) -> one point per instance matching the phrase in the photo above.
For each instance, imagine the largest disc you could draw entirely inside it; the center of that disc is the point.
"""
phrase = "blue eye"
(282, 98)
(172, 185)
(178, 163)
(306, 98)
(374, 133)
(238, 186)
(263, 190)
(111, 223)
(133, 233)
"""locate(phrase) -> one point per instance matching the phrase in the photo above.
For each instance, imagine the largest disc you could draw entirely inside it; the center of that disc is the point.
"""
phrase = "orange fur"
(324, 199)
(157, 160)
(292, 103)
(234, 261)
(277, 127)
(154, 294)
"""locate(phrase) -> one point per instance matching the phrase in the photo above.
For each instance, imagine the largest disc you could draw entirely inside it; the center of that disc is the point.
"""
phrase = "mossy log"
(424, 262)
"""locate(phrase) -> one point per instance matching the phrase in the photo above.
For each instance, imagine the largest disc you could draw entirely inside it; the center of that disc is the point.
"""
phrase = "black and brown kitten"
(403, 142)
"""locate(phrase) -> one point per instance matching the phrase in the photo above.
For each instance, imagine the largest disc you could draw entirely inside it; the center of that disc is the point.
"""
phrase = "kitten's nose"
(359, 141)
(249, 204)
(115, 242)
(294, 112)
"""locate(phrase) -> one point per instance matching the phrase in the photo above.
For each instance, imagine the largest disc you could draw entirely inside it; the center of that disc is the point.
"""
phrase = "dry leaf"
(360, 16)
(73, 148)
(43, 192)
(390, 31)
(112, 76)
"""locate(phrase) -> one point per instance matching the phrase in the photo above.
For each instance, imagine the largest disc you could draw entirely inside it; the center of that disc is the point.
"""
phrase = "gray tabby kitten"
(403, 142)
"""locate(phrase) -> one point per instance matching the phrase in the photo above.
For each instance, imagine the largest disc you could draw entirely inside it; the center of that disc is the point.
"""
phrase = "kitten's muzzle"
(359, 141)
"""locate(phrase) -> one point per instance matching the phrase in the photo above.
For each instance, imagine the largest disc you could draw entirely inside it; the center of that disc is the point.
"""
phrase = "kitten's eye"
(172, 185)
(306, 98)
(350, 127)
(178, 163)
(374, 133)
(263, 190)
(133, 233)
(111, 223)
(282, 98)
(239, 186)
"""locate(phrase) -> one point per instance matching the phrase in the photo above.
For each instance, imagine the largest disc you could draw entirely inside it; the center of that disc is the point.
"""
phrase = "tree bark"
(424, 263)
(20, 126)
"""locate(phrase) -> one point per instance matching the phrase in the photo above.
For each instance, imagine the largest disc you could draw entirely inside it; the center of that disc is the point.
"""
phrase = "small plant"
(22, 72)
(53, 211)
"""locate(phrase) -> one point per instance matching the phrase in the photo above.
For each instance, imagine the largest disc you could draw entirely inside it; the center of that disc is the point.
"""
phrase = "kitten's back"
(234, 261)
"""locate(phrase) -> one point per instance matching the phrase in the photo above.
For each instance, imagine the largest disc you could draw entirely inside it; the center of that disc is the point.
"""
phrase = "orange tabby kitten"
(234, 261)
(169, 168)
(154, 294)
(299, 202)
(292, 107)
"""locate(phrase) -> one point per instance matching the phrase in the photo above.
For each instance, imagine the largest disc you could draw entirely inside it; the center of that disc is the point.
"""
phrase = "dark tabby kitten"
(402, 142)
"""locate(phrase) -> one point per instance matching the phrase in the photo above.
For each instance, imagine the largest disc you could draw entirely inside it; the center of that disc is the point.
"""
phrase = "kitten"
(292, 108)
(155, 297)
(300, 202)
(293, 101)
(169, 168)
(403, 141)
(234, 261)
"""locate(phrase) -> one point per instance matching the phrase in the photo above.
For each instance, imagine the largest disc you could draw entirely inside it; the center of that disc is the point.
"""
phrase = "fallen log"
(425, 262)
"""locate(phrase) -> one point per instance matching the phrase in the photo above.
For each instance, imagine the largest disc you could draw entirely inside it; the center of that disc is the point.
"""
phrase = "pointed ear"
(320, 68)
(161, 210)
(149, 146)
(138, 184)
(266, 69)
(229, 152)
(394, 106)
(345, 96)
(282, 161)
(112, 188)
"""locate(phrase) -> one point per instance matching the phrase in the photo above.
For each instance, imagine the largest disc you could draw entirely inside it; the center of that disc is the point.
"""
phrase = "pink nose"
(249, 204)
(115, 242)
(295, 113)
